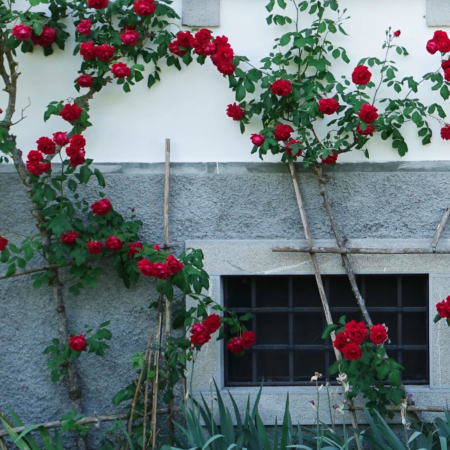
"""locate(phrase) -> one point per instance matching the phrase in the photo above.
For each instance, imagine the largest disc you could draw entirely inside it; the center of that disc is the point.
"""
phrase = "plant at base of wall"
(366, 365)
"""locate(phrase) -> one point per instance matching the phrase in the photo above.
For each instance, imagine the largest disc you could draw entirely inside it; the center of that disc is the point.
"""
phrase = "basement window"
(288, 320)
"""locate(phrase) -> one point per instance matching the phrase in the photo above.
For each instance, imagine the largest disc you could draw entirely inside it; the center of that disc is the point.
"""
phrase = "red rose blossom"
(85, 81)
(444, 45)
(185, 39)
(174, 265)
(94, 247)
(226, 69)
(235, 346)
(235, 112)
(162, 271)
(35, 157)
(257, 139)
(199, 335)
(78, 343)
(378, 334)
(77, 141)
(445, 64)
(84, 27)
(3, 243)
(46, 38)
(432, 46)
(120, 70)
(78, 158)
(367, 132)
(440, 35)
(105, 52)
(70, 237)
(282, 132)
(71, 112)
(22, 32)
(98, 4)
(134, 248)
(397, 33)
(328, 106)
(368, 113)
(210, 49)
(352, 351)
(282, 88)
(146, 267)
(212, 323)
(289, 150)
(156, 247)
(102, 207)
(221, 40)
(224, 55)
(144, 7)
(361, 75)
(113, 243)
(201, 39)
(88, 50)
(330, 159)
(248, 339)
(341, 341)
(129, 37)
(356, 331)
(175, 48)
(443, 308)
(447, 74)
(445, 132)
(46, 146)
(60, 138)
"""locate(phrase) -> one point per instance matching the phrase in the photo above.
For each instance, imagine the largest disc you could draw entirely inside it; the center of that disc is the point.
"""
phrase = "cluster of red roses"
(219, 49)
(443, 308)
(201, 332)
(349, 341)
(141, 7)
(237, 345)
(78, 343)
(3, 243)
(160, 270)
(24, 32)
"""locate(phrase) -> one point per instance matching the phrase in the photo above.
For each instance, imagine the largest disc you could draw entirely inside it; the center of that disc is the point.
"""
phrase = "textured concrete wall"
(438, 13)
(208, 201)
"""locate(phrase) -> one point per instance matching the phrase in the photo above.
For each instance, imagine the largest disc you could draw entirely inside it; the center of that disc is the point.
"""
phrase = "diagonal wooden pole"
(440, 229)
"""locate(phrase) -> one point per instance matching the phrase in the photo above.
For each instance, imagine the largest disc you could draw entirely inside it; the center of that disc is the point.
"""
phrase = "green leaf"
(85, 174)
(11, 270)
(240, 93)
(328, 330)
(4, 255)
(100, 178)
(285, 39)
(394, 378)
(249, 86)
(445, 92)
(281, 4)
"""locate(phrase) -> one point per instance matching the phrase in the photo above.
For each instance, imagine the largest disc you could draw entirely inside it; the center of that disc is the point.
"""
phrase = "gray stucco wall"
(208, 201)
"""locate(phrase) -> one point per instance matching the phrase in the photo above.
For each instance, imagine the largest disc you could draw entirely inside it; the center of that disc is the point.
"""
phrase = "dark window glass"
(288, 320)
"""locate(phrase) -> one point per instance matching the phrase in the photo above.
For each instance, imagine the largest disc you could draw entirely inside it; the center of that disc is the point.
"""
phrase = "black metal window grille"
(288, 320)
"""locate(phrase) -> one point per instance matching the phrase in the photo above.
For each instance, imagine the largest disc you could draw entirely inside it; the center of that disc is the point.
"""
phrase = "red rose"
(248, 339)
(60, 138)
(144, 7)
(199, 335)
(105, 52)
(356, 331)
(282, 88)
(432, 47)
(35, 157)
(439, 35)
(289, 150)
(367, 132)
(210, 49)
(212, 323)
(185, 39)
(174, 265)
(283, 132)
(88, 50)
(22, 32)
(146, 267)
(443, 308)
(3, 243)
(44, 168)
(77, 141)
(156, 247)
(257, 139)
(69, 238)
(134, 248)
(34, 168)
(445, 64)
(447, 74)
(78, 343)
(328, 106)
(102, 207)
(98, 4)
(219, 41)
(114, 243)
(78, 158)
(34, 163)
(445, 132)
(130, 37)
(378, 334)
(46, 38)
(85, 81)
(235, 112)
(397, 33)
(352, 351)
(341, 341)
(71, 112)
(120, 70)
(94, 247)
(84, 27)
(46, 146)
(368, 113)
(71, 151)
(162, 271)
(175, 49)
(235, 346)
(361, 75)
(203, 37)
(444, 45)
(226, 69)
(223, 55)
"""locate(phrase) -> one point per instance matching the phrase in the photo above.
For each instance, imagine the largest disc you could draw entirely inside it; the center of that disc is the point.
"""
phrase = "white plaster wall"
(189, 107)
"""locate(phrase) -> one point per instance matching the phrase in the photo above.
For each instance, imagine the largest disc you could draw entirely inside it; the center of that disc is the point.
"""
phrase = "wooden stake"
(148, 360)
(440, 229)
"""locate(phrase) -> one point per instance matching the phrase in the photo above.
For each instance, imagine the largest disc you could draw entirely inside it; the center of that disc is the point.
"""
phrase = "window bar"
(326, 281)
(400, 321)
(291, 329)
(254, 354)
